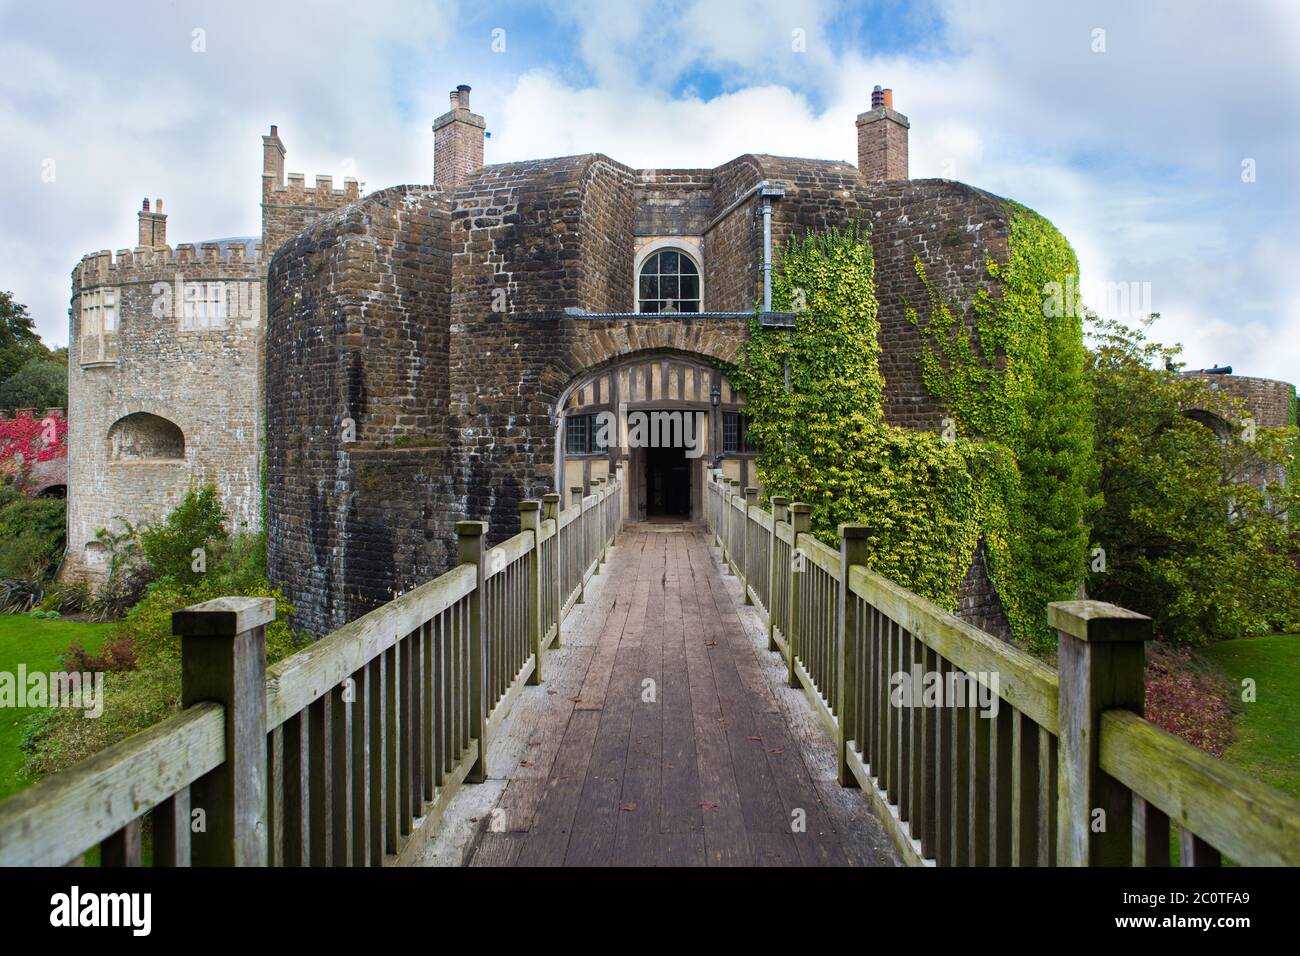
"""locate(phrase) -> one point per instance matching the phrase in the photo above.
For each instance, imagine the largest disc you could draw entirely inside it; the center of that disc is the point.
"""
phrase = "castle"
(396, 362)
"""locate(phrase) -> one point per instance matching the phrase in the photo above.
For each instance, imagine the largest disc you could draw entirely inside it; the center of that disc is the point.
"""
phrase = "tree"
(39, 384)
(1188, 537)
(19, 341)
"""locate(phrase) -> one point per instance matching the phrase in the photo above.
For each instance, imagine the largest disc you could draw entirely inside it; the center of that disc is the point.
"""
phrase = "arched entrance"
(663, 418)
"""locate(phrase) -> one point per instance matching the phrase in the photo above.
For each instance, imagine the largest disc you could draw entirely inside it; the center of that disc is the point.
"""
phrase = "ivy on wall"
(1015, 473)
(1013, 371)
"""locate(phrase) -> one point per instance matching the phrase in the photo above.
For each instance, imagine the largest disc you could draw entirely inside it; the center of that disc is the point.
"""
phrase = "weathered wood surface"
(51, 822)
(1228, 810)
(664, 734)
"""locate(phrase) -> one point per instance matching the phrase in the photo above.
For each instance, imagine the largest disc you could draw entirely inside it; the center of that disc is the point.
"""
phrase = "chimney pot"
(877, 98)
(889, 98)
(145, 207)
(275, 130)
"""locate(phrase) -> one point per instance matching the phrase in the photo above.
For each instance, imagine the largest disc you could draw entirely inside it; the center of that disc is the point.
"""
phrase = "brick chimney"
(882, 139)
(153, 225)
(457, 142)
(272, 160)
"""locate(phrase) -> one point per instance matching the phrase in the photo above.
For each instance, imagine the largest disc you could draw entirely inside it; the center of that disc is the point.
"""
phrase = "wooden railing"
(345, 753)
(995, 758)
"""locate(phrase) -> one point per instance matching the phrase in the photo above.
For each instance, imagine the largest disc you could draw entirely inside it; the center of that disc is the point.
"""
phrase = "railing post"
(853, 550)
(779, 511)
(223, 659)
(1101, 663)
(737, 562)
(578, 540)
(530, 519)
(599, 521)
(551, 512)
(800, 523)
(751, 498)
(469, 541)
(724, 517)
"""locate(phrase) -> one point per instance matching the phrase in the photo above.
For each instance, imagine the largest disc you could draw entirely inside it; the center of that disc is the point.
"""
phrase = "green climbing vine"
(1011, 476)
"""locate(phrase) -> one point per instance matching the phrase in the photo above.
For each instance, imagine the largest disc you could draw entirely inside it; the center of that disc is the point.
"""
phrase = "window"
(735, 435)
(204, 306)
(578, 436)
(98, 312)
(669, 283)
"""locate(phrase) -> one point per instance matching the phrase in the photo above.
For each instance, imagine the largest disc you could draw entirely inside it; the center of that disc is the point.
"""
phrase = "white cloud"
(1135, 153)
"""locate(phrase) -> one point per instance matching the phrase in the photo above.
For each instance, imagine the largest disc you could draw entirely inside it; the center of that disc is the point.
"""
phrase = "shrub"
(31, 535)
(71, 598)
(199, 521)
(117, 656)
(20, 595)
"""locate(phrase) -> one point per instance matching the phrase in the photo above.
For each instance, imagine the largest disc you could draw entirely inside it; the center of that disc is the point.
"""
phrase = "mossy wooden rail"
(343, 754)
(971, 751)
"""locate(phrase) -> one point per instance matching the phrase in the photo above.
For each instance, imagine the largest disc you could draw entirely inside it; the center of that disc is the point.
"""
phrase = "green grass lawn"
(37, 644)
(1266, 743)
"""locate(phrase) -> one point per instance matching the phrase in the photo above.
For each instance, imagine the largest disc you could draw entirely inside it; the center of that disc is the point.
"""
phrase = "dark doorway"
(667, 483)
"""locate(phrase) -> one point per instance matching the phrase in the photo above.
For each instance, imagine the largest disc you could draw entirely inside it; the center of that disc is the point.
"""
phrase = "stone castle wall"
(436, 321)
(206, 382)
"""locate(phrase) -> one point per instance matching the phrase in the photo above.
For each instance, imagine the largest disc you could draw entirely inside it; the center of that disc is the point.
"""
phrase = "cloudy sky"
(1163, 138)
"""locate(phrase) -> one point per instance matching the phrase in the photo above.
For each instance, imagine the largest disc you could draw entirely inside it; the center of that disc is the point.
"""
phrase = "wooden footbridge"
(642, 696)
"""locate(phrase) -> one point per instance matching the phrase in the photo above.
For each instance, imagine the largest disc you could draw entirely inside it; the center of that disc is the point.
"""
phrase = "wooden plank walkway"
(664, 735)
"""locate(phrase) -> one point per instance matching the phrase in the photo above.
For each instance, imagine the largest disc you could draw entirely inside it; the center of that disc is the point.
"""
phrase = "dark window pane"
(649, 287)
(730, 432)
(688, 305)
(667, 263)
(577, 434)
(687, 266)
(689, 286)
(668, 287)
(651, 306)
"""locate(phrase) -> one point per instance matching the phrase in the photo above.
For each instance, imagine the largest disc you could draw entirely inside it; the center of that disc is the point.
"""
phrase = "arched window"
(141, 436)
(669, 282)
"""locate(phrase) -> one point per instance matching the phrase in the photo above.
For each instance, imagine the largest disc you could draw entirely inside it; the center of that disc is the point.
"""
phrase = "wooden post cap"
(1096, 621)
(530, 504)
(799, 507)
(223, 616)
(855, 531)
(470, 529)
(780, 500)
(553, 496)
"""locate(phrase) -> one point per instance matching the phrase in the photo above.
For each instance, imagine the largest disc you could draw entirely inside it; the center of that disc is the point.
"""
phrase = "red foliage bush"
(118, 656)
(28, 437)
(1186, 700)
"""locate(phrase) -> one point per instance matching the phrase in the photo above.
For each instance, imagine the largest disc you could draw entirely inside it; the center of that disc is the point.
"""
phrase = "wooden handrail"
(344, 753)
(57, 819)
(1240, 816)
(1022, 785)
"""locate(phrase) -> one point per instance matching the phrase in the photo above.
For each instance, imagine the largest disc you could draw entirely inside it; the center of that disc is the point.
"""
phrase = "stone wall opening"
(141, 436)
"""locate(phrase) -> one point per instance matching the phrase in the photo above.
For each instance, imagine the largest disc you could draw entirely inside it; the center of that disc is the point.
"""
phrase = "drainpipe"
(768, 193)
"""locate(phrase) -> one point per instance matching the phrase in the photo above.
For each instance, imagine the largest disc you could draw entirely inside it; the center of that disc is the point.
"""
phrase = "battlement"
(144, 263)
(296, 192)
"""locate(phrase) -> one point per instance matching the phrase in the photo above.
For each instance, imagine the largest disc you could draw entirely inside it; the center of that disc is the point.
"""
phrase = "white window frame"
(687, 246)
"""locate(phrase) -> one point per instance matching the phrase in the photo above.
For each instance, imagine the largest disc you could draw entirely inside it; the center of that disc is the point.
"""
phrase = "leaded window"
(669, 282)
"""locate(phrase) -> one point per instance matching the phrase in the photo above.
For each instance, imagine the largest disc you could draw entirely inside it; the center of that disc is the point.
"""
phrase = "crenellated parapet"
(207, 260)
(289, 205)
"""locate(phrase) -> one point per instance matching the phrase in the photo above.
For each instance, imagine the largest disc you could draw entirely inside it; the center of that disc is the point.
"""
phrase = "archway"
(141, 436)
(663, 418)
